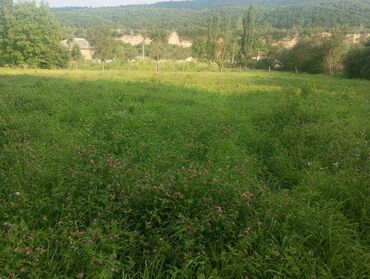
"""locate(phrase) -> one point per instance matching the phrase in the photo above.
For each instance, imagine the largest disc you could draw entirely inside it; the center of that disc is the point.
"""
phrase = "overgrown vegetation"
(30, 36)
(357, 62)
(183, 175)
(190, 18)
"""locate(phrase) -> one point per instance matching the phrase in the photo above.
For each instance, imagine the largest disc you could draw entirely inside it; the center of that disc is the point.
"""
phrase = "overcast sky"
(98, 3)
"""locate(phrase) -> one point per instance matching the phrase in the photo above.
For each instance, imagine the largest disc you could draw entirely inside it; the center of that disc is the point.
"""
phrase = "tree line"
(30, 35)
(190, 18)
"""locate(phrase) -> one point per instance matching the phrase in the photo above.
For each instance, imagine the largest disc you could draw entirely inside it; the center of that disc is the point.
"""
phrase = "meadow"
(139, 174)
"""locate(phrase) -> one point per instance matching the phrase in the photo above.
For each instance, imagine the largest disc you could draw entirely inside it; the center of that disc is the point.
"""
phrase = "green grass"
(122, 174)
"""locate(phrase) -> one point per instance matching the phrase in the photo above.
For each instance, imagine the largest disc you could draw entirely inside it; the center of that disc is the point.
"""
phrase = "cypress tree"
(249, 38)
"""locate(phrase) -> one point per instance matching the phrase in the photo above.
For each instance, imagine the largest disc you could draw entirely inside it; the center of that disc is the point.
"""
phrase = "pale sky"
(98, 3)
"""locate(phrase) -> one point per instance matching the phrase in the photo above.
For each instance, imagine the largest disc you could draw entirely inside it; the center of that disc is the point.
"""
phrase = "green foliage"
(249, 38)
(357, 62)
(334, 49)
(218, 47)
(213, 37)
(76, 53)
(104, 44)
(307, 56)
(199, 48)
(186, 175)
(317, 54)
(5, 4)
(159, 41)
(193, 22)
(30, 36)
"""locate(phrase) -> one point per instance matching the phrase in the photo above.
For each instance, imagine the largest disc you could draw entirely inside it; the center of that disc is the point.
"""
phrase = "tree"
(30, 35)
(306, 56)
(248, 43)
(213, 36)
(225, 50)
(357, 62)
(105, 46)
(76, 53)
(6, 4)
(219, 41)
(199, 48)
(334, 48)
(159, 39)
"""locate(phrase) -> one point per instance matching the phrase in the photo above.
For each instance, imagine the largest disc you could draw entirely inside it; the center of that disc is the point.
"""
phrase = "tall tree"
(225, 50)
(213, 35)
(334, 50)
(219, 41)
(357, 62)
(159, 39)
(105, 46)
(248, 43)
(6, 4)
(30, 35)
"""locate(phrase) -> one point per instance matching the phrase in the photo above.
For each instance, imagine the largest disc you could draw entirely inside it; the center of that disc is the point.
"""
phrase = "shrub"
(357, 62)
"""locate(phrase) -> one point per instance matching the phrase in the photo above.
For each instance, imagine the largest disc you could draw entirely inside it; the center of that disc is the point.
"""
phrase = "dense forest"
(206, 4)
(190, 18)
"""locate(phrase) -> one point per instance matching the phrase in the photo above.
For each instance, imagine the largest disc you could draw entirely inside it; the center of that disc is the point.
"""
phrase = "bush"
(306, 56)
(357, 62)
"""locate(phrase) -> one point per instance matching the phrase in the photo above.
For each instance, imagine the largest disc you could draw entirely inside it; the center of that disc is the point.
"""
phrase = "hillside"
(207, 4)
(190, 18)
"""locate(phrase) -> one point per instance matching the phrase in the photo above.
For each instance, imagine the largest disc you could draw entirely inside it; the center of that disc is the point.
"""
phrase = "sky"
(98, 3)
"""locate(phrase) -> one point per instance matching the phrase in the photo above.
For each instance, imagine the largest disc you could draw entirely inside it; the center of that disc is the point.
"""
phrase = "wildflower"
(27, 251)
(218, 208)
(211, 214)
(112, 164)
(8, 225)
(248, 231)
(247, 195)
(40, 251)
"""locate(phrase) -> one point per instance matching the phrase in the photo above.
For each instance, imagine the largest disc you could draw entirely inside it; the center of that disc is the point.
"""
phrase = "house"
(86, 49)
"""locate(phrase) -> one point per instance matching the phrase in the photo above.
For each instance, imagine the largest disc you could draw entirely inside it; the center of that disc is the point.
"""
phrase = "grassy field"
(183, 175)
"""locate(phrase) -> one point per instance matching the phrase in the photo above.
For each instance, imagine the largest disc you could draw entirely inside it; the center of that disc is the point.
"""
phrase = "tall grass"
(137, 174)
(148, 65)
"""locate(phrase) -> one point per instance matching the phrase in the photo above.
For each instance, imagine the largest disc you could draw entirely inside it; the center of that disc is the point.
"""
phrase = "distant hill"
(190, 18)
(209, 4)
